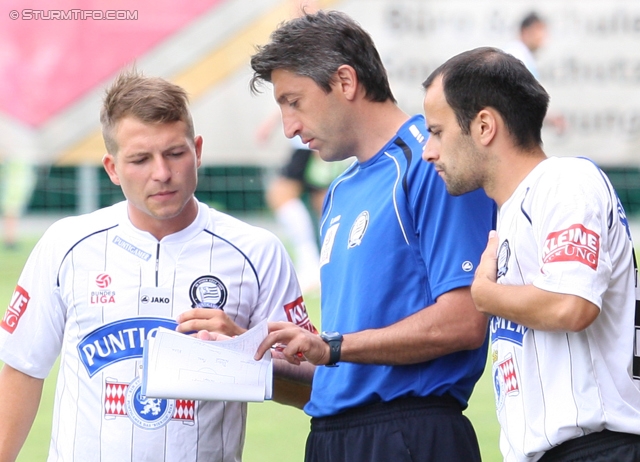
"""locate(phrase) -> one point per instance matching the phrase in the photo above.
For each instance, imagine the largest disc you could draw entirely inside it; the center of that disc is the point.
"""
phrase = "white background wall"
(590, 66)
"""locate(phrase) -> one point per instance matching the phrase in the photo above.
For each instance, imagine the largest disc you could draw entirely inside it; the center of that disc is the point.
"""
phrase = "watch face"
(331, 335)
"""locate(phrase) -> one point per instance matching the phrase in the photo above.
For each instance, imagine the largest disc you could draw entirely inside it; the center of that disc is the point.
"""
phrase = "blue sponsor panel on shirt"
(503, 329)
(118, 341)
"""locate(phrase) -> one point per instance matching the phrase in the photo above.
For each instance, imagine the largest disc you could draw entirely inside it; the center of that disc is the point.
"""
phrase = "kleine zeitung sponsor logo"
(576, 243)
(15, 310)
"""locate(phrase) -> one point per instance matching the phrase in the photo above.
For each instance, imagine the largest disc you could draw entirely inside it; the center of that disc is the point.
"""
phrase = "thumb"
(492, 243)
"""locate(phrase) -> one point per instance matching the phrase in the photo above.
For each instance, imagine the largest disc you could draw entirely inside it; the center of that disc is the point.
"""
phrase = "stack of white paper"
(177, 366)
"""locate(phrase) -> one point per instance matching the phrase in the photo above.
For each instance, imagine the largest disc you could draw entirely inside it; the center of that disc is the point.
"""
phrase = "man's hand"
(209, 319)
(488, 266)
(295, 344)
(211, 336)
(486, 274)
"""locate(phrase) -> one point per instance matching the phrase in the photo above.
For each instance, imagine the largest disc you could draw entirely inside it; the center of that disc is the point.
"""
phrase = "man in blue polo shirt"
(398, 256)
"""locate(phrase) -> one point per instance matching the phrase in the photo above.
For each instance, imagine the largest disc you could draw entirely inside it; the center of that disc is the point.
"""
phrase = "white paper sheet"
(177, 366)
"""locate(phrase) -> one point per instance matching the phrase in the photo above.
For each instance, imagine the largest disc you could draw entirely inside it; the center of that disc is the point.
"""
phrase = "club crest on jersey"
(358, 229)
(503, 259)
(147, 413)
(100, 292)
(297, 314)
(120, 401)
(505, 380)
(208, 292)
(15, 310)
(576, 243)
(118, 341)
(503, 329)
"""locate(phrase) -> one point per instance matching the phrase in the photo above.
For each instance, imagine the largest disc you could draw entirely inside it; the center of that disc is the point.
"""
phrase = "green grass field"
(275, 433)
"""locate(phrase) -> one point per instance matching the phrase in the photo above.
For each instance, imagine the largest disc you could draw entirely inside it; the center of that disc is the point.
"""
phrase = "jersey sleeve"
(570, 215)
(32, 328)
(280, 296)
(452, 230)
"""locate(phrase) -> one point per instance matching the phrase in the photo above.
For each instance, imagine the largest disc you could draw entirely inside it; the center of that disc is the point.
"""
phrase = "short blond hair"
(149, 99)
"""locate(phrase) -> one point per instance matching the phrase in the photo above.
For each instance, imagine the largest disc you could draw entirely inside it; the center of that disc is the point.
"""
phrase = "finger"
(263, 348)
(279, 347)
(200, 313)
(213, 336)
(185, 316)
(277, 354)
(492, 245)
(269, 341)
(185, 327)
(491, 250)
(204, 335)
(196, 325)
(199, 324)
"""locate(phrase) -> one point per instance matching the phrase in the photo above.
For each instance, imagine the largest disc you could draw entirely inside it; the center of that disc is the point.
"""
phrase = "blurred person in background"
(17, 182)
(532, 37)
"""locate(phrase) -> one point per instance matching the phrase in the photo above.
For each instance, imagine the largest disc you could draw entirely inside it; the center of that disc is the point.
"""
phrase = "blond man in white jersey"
(558, 277)
(97, 285)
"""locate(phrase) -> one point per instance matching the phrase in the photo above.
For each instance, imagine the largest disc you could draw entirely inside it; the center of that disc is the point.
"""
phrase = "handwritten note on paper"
(177, 366)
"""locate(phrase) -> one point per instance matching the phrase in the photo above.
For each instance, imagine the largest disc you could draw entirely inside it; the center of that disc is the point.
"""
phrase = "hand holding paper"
(178, 366)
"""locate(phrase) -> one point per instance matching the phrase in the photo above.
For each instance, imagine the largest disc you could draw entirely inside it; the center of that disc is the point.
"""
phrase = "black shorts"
(604, 446)
(404, 430)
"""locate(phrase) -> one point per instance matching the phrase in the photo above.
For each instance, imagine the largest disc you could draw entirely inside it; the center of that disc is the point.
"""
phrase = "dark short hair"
(529, 20)
(149, 99)
(315, 46)
(489, 77)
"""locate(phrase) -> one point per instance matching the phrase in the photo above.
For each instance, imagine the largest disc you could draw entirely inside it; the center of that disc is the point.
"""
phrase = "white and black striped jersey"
(95, 287)
(564, 230)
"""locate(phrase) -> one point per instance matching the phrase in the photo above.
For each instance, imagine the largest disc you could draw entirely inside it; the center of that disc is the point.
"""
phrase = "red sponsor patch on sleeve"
(297, 314)
(17, 307)
(576, 243)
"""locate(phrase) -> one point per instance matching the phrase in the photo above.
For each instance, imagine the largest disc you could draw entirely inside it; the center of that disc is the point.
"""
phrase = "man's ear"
(485, 126)
(109, 164)
(346, 80)
(198, 148)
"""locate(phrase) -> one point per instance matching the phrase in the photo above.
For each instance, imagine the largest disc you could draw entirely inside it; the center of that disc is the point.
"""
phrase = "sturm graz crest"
(503, 259)
(147, 413)
(208, 292)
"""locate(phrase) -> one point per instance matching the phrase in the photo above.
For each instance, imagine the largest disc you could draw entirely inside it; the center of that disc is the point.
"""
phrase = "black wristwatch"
(334, 339)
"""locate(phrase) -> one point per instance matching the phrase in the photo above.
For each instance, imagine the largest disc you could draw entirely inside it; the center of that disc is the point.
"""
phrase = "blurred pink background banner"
(52, 53)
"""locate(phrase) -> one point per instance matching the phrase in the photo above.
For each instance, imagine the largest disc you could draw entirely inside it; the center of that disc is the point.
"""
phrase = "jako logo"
(103, 280)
